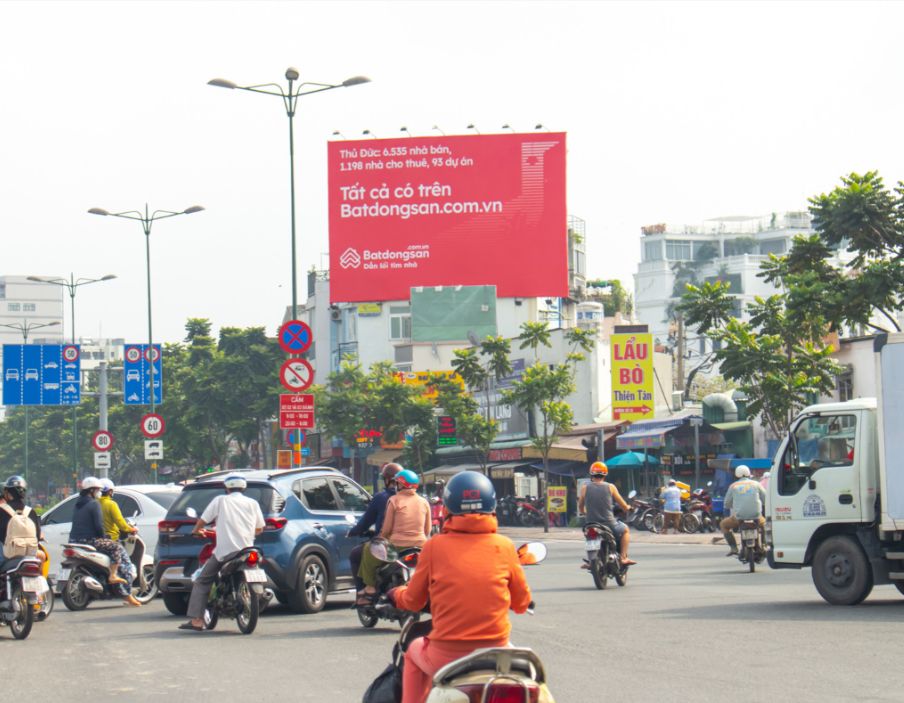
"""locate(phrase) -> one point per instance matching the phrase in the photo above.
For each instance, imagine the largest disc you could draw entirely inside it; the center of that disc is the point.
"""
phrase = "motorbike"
(528, 513)
(506, 511)
(21, 584)
(602, 550)
(46, 599)
(239, 590)
(436, 515)
(84, 574)
(395, 572)
(643, 512)
(699, 515)
(752, 550)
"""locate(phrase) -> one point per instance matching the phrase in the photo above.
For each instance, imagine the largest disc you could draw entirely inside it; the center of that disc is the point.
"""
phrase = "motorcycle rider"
(14, 501)
(373, 517)
(88, 528)
(471, 577)
(596, 501)
(239, 520)
(745, 499)
(116, 526)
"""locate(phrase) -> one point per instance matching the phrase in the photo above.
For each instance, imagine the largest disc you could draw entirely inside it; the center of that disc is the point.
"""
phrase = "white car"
(146, 504)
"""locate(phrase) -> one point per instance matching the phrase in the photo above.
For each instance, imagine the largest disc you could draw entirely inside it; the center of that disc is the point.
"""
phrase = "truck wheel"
(841, 572)
(176, 603)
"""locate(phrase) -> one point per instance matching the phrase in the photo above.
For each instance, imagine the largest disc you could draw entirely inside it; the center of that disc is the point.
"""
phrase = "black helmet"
(470, 492)
(16, 485)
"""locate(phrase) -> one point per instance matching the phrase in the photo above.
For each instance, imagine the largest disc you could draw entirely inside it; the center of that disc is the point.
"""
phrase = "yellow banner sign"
(556, 499)
(426, 379)
(632, 376)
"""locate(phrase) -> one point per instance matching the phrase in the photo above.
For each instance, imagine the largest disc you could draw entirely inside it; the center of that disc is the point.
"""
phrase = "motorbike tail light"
(31, 568)
(502, 692)
(410, 559)
(165, 527)
(591, 533)
(69, 552)
(253, 558)
(206, 552)
(275, 523)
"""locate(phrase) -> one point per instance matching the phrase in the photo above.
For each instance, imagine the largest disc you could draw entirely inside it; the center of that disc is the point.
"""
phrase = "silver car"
(146, 504)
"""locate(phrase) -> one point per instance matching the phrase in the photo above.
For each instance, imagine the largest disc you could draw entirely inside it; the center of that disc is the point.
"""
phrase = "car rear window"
(199, 498)
(164, 498)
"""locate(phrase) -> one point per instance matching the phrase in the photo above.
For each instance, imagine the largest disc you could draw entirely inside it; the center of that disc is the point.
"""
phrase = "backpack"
(21, 534)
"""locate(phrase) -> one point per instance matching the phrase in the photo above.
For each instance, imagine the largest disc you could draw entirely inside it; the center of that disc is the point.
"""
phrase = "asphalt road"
(690, 625)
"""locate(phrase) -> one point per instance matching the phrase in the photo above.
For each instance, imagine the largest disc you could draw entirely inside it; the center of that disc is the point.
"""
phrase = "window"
(316, 494)
(578, 262)
(61, 514)
(399, 322)
(772, 246)
(677, 250)
(128, 506)
(2, 290)
(199, 498)
(846, 385)
(353, 497)
(28, 307)
(818, 442)
(13, 307)
(652, 251)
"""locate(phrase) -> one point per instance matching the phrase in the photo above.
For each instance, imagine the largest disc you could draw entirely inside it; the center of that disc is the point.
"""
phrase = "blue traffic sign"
(41, 374)
(136, 370)
(295, 337)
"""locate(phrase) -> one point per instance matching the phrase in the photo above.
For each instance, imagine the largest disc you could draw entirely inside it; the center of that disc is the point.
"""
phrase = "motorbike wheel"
(145, 596)
(75, 595)
(367, 617)
(645, 522)
(621, 576)
(45, 610)
(598, 570)
(751, 560)
(690, 523)
(211, 617)
(25, 615)
(247, 619)
(658, 522)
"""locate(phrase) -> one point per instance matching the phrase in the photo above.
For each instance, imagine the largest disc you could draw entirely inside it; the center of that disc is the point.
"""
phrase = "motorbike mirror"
(709, 483)
(191, 512)
(632, 494)
(532, 553)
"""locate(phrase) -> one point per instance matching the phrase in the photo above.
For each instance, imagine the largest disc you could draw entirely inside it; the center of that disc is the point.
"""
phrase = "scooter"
(752, 550)
(436, 515)
(699, 515)
(602, 550)
(528, 513)
(85, 573)
(21, 584)
(506, 510)
(395, 572)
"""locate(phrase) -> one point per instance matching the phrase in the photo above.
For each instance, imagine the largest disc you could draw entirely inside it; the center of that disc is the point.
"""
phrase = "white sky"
(674, 111)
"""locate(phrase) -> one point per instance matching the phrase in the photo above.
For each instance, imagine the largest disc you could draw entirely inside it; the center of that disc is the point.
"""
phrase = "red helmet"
(598, 468)
(390, 470)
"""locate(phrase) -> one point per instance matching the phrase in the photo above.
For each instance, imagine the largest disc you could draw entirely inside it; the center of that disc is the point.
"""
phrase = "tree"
(534, 335)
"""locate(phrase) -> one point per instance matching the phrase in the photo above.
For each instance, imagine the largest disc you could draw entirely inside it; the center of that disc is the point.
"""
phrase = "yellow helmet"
(598, 468)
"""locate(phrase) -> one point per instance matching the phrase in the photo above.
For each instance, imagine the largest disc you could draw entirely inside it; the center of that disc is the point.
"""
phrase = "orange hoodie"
(472, 578)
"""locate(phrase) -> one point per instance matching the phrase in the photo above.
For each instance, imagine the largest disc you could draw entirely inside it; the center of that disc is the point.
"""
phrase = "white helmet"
(742, 471)
(106, 485)
(90, 482)
(235, 482)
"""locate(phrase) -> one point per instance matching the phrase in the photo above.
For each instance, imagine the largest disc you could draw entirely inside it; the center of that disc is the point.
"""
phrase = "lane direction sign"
(152, 426)
(41, 374)
(296, 374)
(102, 441)
(295, 337)
(102, 460)
(153, 449)
(136, 372)
(296, 411)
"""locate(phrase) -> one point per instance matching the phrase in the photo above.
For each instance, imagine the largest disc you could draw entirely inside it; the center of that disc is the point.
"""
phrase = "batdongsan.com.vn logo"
(350, 259)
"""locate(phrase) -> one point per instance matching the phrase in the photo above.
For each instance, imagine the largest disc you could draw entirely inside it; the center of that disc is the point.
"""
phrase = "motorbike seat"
(524, 663)
(79, 545)
(10, 564)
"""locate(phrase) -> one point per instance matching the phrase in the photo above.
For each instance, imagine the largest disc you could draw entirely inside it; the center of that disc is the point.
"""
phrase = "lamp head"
(222, 83)
(109, 277)
(35, 278)
(98, 211)
(355, 80)
(191, 210)
(292, 74)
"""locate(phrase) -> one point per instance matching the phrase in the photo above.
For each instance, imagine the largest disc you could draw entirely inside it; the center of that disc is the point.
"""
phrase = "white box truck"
(836, 490)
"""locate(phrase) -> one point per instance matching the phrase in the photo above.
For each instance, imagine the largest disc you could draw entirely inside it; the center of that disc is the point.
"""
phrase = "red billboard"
(440, 211)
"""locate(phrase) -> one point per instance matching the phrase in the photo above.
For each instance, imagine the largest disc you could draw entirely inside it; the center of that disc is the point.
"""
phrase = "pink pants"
(424, 658)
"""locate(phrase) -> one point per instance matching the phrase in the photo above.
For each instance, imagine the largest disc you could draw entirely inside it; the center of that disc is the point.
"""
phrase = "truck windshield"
(818, 442)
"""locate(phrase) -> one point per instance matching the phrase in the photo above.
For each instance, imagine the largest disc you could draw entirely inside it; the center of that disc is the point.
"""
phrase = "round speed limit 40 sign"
(152, 426)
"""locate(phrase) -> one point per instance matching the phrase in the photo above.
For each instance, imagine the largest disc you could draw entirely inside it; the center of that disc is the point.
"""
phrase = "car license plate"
(593, 545)
(64, 574)
(34, 584)
(748, 534)
(255, 576)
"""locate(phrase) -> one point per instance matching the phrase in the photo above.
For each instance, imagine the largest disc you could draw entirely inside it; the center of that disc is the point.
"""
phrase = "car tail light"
(253, 558)
(507, 692)
(166, 527)
(275, 523)
(169, 562)
(206, 552)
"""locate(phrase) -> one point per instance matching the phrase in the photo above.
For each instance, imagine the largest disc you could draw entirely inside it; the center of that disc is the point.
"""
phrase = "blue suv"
(308, 513)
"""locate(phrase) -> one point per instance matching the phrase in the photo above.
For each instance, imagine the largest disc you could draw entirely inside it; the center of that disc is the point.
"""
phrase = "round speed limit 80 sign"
(152, 425)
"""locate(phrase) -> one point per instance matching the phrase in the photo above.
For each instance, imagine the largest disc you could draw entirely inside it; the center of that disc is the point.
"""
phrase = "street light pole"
(146, 220)
(290, 97)
(25, 328)
(72, 285)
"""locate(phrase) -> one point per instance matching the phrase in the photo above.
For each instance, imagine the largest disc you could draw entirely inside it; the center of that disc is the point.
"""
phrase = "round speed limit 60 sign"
(152, 425)
(102, 440)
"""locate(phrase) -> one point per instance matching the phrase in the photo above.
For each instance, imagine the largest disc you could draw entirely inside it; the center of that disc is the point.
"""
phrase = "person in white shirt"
(238, 521)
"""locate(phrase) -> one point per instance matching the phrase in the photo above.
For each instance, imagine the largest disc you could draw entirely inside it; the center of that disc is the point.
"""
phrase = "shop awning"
(563, 468)
(732, 426)
(383, 456)
(445, 471)
(653, 438)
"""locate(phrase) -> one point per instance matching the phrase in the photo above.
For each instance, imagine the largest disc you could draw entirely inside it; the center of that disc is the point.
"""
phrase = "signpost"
(102, 441)
(136, 370)
(296, 375)
(41, 374)
(152, 426)
(296, 411)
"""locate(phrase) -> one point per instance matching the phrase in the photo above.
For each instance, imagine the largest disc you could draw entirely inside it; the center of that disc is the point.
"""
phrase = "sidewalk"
(536, 534)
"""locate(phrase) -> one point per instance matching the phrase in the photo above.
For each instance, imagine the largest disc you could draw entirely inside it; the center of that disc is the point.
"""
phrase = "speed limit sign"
(152, 425)
(102, 441)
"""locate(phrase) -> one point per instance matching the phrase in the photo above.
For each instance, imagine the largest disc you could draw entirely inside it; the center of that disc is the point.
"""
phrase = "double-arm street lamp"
(290, 97)
(24, 328)
(146, 220)
(72, 285)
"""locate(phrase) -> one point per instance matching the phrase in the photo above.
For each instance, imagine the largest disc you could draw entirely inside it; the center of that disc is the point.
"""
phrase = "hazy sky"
(674, 111)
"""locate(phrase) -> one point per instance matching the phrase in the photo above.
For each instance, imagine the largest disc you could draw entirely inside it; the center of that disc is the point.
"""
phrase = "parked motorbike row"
(523, 512)
(696, 513)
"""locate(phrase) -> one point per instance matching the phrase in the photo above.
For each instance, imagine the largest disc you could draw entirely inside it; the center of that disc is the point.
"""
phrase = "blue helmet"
(406, 478)
(470, 492)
